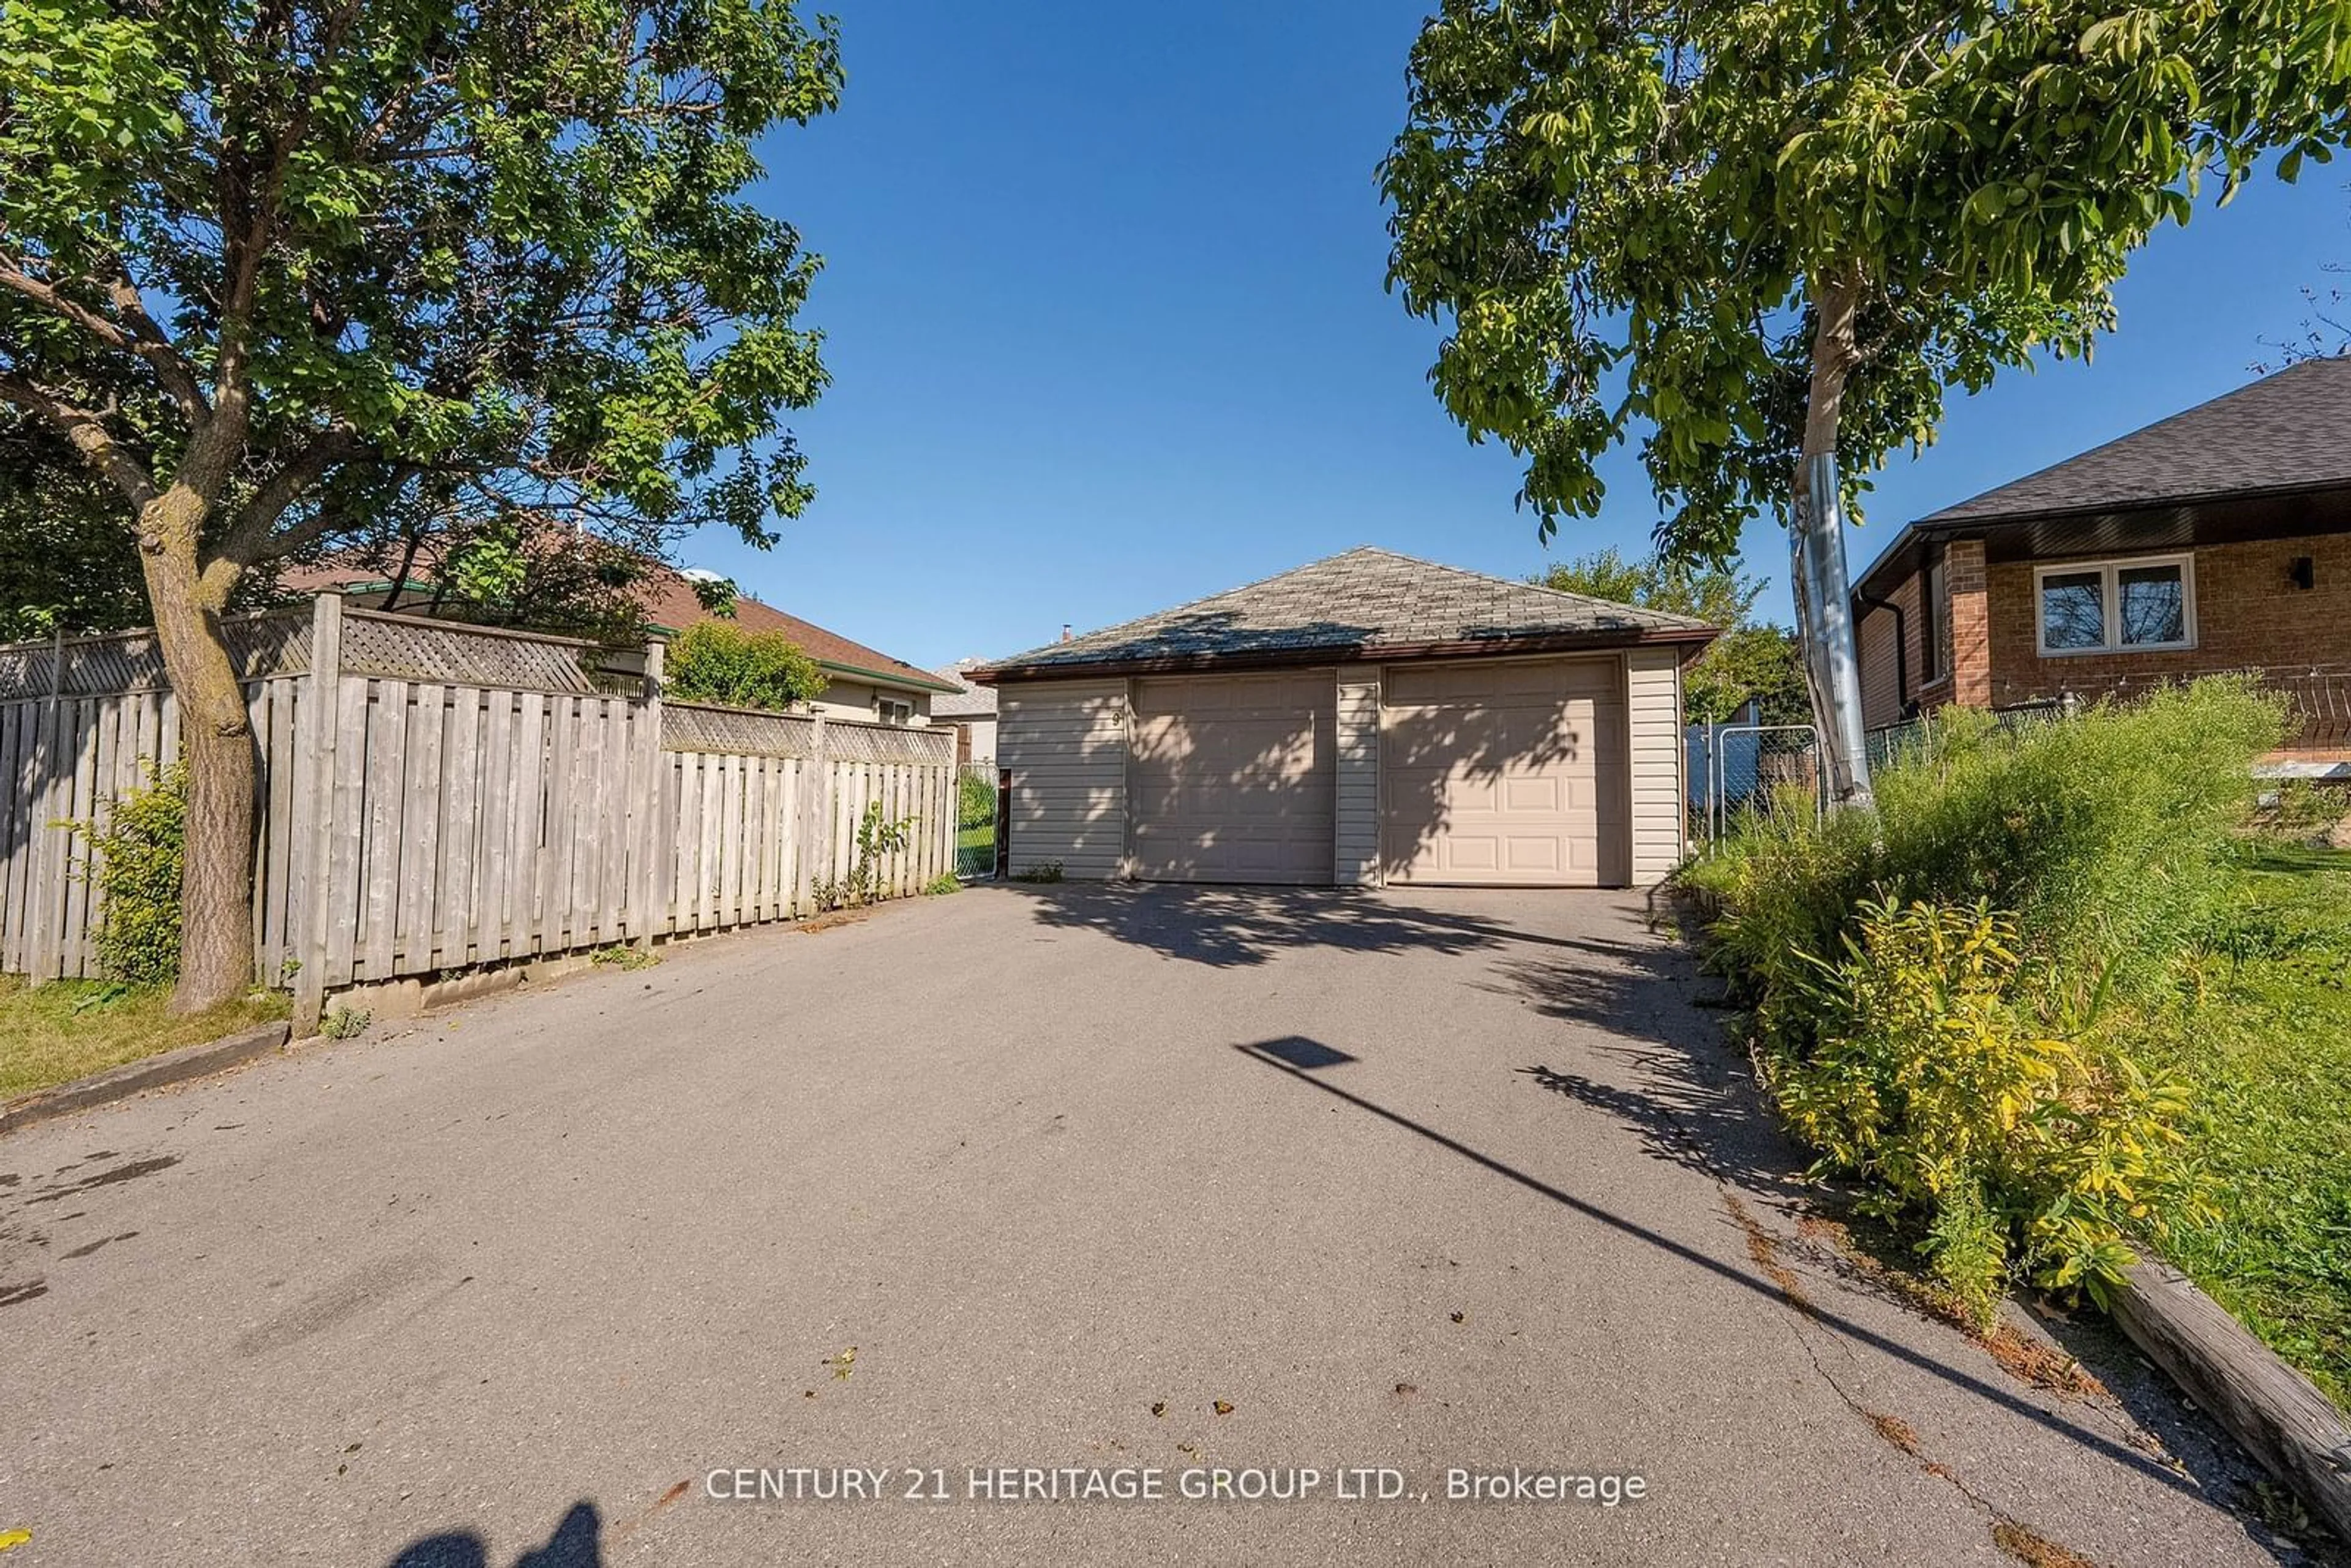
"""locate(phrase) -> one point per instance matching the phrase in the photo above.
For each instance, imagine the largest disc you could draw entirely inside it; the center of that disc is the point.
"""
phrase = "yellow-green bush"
(1942, 988)
(137, 851)
(1976, 1100)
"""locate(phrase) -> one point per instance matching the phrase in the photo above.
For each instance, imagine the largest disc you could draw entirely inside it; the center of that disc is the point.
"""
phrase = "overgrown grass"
(2123, 1054)
(2263, 1030)
(55, 1033)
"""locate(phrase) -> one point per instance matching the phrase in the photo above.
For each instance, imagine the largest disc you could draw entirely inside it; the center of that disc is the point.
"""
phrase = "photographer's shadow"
(578, 1542)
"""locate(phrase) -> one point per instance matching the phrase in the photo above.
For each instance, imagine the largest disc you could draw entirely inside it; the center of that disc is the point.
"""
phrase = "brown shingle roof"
(2283, 432)
(671, 606)
(1363, 603)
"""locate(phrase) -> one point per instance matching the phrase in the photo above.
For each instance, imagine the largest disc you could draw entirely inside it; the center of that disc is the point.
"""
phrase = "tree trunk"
(216, 737)
(1823, 601)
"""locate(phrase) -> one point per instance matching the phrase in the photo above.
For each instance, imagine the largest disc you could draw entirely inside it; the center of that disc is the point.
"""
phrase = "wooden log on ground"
(2276, 1412)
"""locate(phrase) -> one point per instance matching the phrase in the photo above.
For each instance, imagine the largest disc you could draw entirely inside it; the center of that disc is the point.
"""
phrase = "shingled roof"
(2284, 431)
(1367, 604)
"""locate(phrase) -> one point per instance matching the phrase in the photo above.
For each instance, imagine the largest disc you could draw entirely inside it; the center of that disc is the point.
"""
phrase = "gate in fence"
(1738, 769)
(975, 833)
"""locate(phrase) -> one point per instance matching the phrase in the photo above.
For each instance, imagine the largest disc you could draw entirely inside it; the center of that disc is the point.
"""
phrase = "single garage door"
(1506, 773)
(1231, 778)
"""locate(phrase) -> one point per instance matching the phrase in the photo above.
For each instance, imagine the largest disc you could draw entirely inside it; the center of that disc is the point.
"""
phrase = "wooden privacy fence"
(434, 797)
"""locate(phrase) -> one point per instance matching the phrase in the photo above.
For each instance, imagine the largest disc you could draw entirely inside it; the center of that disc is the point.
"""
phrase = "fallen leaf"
(12, 1538)
(1159, 1408)
(1222, 1407)
(1460, 1317)
(844, 1364)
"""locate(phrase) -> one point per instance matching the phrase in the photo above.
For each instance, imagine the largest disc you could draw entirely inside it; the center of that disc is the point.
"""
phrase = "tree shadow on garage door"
(1229, 926)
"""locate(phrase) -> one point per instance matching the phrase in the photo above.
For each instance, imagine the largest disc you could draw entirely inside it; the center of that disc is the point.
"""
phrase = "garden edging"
(2276, 1413)
(147, 1072)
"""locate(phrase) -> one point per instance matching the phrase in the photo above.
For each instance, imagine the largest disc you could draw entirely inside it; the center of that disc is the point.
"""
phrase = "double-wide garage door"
(1492, 772)
(1231, 778)
(1506, 774)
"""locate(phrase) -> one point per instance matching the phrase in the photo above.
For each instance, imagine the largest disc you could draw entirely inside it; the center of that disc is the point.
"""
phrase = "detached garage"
(1364, 720)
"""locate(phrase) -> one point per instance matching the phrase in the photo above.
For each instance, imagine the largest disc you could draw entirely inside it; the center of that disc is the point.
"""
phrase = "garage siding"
(1654, 690)
(1357, 829)
(1064, 743)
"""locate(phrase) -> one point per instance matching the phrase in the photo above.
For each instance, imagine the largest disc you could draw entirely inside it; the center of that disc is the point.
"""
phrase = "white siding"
(1652, 679)
(1064, 743)
(1356, 831)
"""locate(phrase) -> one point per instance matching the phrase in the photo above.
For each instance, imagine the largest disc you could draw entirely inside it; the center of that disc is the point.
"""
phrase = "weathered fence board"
(432, 797)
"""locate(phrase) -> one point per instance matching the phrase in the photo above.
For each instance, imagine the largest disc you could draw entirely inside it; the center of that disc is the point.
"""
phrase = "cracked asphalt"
(1095, 1177)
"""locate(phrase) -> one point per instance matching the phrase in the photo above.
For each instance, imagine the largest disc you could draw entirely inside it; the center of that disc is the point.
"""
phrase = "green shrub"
(947, 881)
(1940, 988)
(345, 1023)
(713, 662)
(137, 854)
(975, 800)
(1984, 1111)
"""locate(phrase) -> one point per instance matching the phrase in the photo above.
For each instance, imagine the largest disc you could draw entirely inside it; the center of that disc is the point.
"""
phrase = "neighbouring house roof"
(2281, 436)
(1367, 604)
(671, 605)
(2284, 431)
(967, 701)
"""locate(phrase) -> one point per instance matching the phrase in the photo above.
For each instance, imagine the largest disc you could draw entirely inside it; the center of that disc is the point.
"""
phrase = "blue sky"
(1105, 310)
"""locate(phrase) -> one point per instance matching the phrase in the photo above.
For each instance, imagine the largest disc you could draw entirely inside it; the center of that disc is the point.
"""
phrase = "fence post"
(654, 848)
(815, 790)
(45, 885)
(309, 918)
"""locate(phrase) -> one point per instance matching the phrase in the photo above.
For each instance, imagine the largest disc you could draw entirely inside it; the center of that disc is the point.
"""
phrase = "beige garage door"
(1232, 777)
(1506, 773)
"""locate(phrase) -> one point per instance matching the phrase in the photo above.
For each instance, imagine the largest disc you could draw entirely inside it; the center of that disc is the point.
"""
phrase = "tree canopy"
(1641, 220)
(713, 662)
(1752, 660)
(291, 276)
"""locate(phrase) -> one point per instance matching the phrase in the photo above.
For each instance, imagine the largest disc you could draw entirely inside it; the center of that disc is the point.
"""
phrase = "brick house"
(2218, 539)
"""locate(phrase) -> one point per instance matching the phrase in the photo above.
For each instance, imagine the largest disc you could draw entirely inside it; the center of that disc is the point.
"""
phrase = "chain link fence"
(1740, 770)
(976, 821)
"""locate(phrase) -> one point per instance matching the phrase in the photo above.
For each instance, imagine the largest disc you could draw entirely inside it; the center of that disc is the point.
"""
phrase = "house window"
(890, 710)
(2116, 606)
(1934, 620)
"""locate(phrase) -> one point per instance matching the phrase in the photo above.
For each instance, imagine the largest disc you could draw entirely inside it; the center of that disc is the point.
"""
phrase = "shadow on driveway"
(1230, 926)
(578, 1542)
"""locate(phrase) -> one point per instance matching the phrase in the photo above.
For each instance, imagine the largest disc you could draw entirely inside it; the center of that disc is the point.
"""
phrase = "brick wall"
(1967, 581)
(2247, 613)
(1883, 697)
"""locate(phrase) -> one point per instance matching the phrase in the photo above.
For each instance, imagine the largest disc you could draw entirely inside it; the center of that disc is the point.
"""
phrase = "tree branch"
(86, 432)
(144, 339)
(249, 536)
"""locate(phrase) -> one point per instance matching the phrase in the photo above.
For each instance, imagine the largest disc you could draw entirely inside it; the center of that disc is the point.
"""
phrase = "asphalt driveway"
(1042, 1178)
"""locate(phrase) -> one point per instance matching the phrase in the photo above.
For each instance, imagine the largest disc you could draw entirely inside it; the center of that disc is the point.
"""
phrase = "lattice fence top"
(405, 649)
(748, 732)
(690, 727)
(849, 741)
(273, 643)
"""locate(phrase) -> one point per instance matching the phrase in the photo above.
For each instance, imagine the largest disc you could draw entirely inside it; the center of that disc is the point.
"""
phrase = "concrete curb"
(147, 1072)
(2276, 1413)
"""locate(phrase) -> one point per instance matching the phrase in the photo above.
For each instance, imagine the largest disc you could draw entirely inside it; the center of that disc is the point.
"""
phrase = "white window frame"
(896, 712)
(2111, 603)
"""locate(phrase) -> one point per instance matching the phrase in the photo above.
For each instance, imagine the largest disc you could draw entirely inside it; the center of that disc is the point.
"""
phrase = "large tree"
(271, 269)
(1769, 237)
